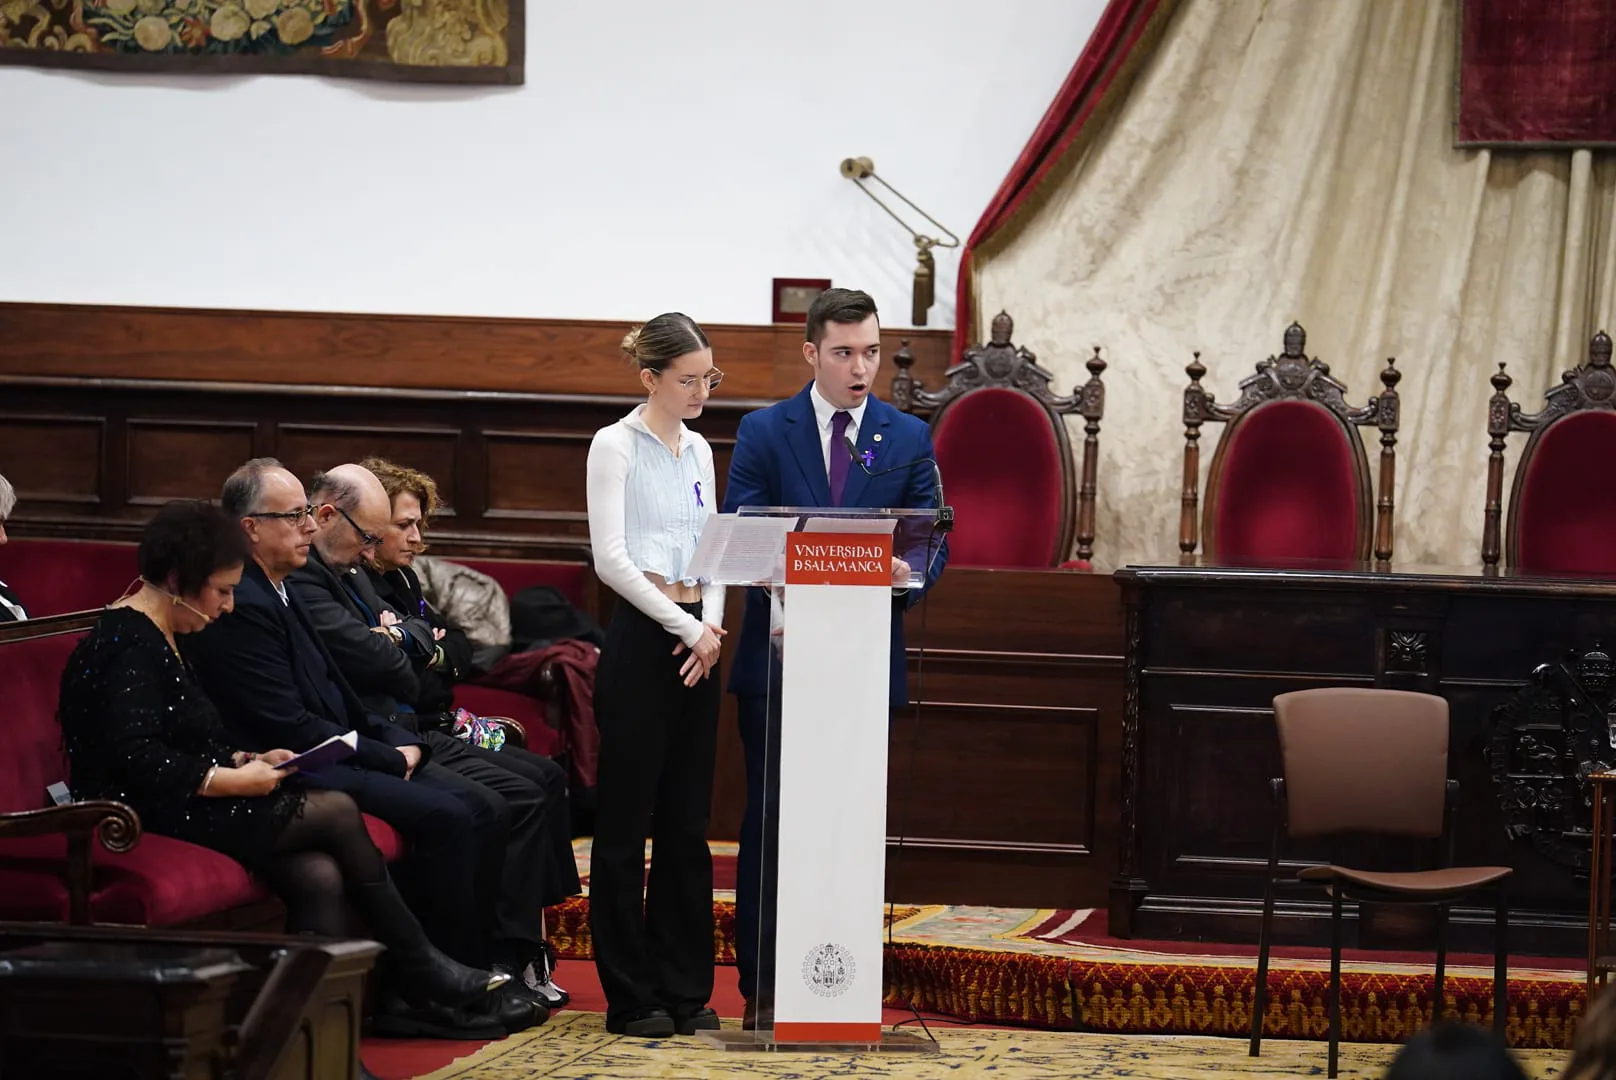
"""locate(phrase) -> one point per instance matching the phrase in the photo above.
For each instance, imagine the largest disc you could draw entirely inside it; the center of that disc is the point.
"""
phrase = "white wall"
(659, 156)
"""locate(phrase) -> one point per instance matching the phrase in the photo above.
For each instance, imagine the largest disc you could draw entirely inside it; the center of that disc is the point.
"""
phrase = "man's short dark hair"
(244, 487)
(189, 539)
(847, 306)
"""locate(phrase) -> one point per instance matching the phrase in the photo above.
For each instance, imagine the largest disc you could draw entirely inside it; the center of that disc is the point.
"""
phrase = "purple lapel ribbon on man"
(868, 457)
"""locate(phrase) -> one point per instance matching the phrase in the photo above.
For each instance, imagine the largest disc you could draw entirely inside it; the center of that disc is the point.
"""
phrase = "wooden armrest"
(279, 1010)
(117, 827)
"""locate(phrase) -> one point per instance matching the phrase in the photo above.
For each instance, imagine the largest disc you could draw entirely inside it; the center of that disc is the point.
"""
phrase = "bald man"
(526, 858)
(275, 685)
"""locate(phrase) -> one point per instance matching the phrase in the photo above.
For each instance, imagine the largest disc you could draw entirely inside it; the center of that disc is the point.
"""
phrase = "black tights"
(322, 851)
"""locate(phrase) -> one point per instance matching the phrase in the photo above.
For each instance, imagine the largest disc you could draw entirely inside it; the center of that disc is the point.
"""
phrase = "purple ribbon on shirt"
(698, 494)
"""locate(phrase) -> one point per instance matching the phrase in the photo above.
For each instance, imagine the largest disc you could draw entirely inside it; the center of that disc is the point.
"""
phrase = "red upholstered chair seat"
(999, 452)
(1288, 486)
(54, 577)
(161, 882)
(1564, 523)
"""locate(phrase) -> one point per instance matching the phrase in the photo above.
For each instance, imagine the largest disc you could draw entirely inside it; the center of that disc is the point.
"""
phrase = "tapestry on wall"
(1537, 74)
(454, 41)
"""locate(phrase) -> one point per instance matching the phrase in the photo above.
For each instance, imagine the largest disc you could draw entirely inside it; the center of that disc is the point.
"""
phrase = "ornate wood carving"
(1588, 387)
(1406, 651)
(1293, 376)
(1000, 363)
(1542, 745)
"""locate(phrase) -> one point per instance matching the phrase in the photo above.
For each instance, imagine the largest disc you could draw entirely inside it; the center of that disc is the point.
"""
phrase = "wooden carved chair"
(1001, 443)
(1559, 520)
(1289, 478)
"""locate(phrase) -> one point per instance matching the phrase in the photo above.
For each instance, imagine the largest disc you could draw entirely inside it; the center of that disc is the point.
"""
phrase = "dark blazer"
(277, 686)
(778, 461)
(380, 672)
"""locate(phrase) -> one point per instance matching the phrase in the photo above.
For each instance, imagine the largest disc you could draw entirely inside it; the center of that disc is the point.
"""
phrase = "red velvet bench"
(116, 874)
(154, 880)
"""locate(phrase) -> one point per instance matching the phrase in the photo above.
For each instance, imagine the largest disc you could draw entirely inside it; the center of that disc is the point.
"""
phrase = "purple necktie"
(839, 461)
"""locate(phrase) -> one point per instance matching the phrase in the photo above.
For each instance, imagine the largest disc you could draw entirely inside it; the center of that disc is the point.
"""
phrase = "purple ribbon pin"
(868, 457)
(698, 494)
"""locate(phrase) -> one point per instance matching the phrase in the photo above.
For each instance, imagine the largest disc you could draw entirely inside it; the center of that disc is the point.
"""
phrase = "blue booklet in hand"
(336, 748)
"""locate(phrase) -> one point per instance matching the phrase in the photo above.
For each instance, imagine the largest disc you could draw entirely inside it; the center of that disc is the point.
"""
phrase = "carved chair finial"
(1195, 369)
(1095, 365)
(1391, 376)
(1599, 350)
(1501, 380)
(1003, 328)
(1295, 340)
(904, 358)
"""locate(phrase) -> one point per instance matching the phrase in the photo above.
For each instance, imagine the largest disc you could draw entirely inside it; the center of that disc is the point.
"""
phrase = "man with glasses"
(527, 858)
(275, 685)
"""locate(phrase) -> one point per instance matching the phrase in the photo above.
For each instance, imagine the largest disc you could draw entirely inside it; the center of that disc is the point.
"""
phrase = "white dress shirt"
(825, 415)
(646, 511)
(16, 609)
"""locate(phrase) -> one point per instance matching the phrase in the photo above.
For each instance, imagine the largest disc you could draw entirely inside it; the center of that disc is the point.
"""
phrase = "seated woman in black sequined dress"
(138, 729)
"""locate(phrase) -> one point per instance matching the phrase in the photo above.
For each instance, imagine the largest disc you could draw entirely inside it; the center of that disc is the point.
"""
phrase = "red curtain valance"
(1537, 73)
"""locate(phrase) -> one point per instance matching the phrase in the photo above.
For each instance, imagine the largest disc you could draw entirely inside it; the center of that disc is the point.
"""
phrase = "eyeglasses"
(689, 383)
(296, 517)
(365, 538)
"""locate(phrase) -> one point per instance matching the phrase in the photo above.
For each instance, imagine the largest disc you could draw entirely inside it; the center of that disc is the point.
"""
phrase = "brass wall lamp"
(859, 170)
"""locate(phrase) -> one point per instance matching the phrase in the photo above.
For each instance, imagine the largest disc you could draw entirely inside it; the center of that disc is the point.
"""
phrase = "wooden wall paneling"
(54, 458)
(180, 459)
(540, 476)
(558, 356)
(308, 448)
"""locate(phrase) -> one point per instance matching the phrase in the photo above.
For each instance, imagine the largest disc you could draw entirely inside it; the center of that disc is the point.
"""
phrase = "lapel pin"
(877, 436)
(868, 457)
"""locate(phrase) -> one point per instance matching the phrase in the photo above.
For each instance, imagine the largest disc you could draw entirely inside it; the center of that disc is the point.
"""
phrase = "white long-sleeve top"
(646, 510)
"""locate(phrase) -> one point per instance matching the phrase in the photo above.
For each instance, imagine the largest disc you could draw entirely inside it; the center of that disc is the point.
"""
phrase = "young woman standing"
(650, 490)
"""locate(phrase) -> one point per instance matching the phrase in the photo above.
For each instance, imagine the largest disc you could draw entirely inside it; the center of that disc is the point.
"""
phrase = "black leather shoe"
(398, 1019)
(688, 1022)
(517, 1011)
(651, 1023)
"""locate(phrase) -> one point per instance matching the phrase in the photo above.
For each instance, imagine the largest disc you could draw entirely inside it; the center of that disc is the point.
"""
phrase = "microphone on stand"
(945, 513)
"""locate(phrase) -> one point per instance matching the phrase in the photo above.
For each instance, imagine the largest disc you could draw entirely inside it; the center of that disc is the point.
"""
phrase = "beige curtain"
(1293, 159)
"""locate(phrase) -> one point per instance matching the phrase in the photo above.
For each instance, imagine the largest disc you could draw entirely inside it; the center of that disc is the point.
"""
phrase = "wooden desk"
(125, 1002)
(1208, 648)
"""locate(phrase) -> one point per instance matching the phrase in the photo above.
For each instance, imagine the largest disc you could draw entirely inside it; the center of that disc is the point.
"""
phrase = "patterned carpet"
(576, 1046)
(1058, 970)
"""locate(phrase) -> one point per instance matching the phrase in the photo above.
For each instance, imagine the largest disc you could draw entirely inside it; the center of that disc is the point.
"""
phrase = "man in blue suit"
(794, 454)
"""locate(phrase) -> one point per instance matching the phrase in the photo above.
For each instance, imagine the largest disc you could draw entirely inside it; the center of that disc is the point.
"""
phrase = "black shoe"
(688, 1022)
(651, 1023)
(398, 1019)
(421, 974)
(516, 1010)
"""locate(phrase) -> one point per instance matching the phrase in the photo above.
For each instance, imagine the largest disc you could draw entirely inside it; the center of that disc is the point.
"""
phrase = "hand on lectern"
(900, 573)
